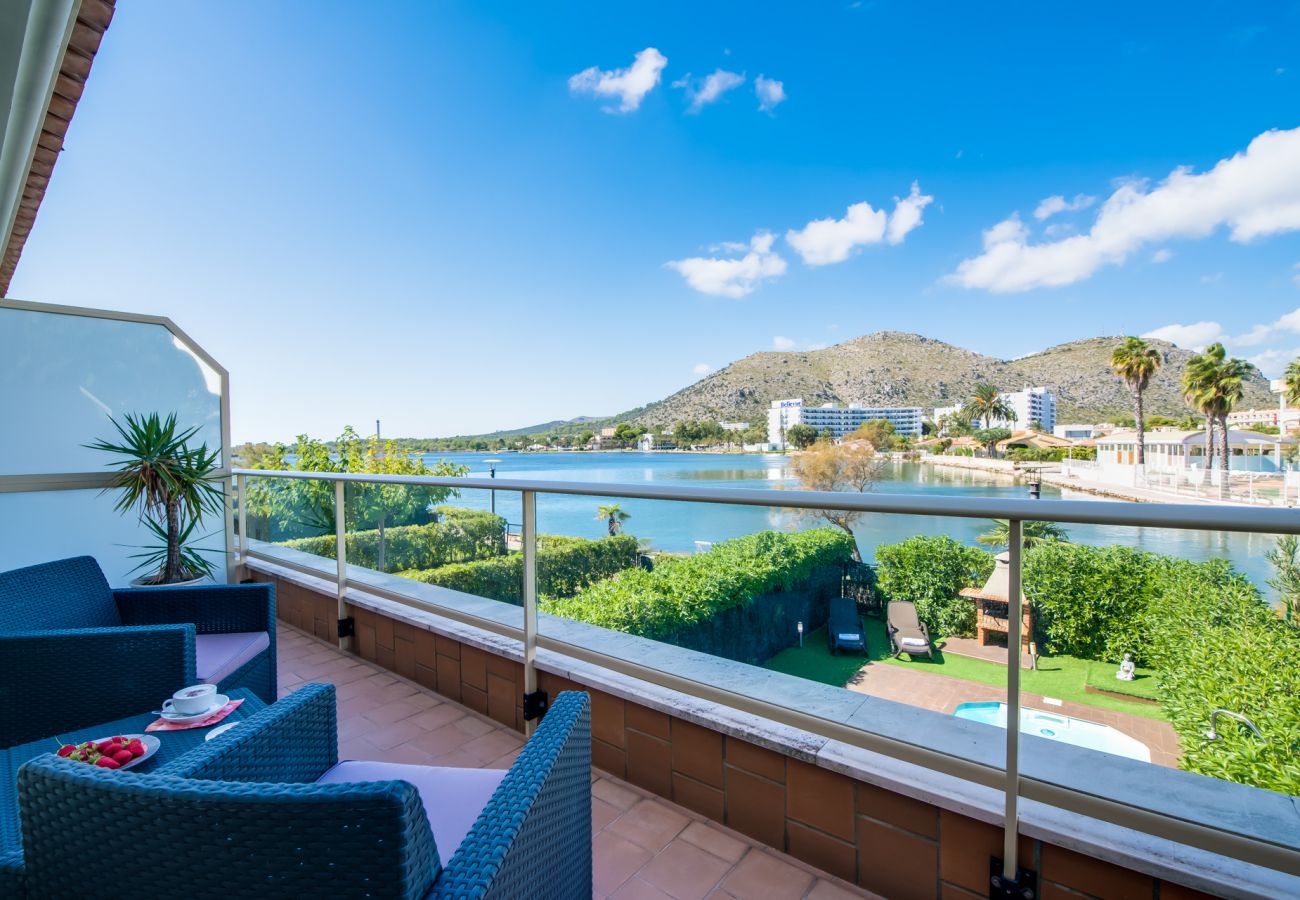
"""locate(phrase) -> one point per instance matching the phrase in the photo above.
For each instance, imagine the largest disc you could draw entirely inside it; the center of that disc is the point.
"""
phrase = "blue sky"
(458, 217)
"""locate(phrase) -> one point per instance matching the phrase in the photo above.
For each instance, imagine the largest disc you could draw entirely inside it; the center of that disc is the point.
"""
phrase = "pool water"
(1066, 729)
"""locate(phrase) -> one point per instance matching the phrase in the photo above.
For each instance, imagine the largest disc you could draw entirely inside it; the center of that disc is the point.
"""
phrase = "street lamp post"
(492, 473)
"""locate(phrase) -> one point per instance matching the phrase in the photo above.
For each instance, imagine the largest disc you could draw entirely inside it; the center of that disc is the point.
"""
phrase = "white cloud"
(1262, 334)
(825, 241)
(1296, 277)
(629, 85)
(1216, 278)
(1254, 193)
(1273, 363)
(782, 343)
(702, 368)
(1194, 336)
(708, 89)
(1163, 255)
(907, 214)
(1057, 204)
(733, 277)
(770, 93)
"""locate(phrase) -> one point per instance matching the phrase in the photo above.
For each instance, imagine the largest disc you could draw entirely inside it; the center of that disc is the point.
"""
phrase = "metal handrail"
(1015, 786)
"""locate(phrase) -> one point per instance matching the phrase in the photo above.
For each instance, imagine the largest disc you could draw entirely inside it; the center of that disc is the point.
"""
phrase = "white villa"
(1172, 450)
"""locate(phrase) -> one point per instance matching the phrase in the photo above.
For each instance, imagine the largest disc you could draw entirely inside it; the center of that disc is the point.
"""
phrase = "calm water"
(677, 526)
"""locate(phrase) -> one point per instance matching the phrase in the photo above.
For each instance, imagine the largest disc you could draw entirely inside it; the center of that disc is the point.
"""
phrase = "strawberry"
(67, 750)
(123, 756)
(107, 762)
(136, 748)
(105, 746)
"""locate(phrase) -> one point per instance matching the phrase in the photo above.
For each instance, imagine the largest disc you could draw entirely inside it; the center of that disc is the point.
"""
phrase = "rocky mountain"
(891, 368)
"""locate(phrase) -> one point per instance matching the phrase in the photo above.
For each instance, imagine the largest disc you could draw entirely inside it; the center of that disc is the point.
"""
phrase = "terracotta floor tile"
(826, 890)
(441, 741)
(614, 860)
(457, 759)
(438, 716)
(650, 823)
(387, 736)
(473, 725)
(684, 871)
(602, 813)
(762, 876)
(493, 745)
(505, 762)
(636, 889)
(393, 712)
(714, 840)
(614, 793)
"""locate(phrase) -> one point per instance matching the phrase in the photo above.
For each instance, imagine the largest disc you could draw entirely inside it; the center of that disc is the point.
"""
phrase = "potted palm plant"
(172, 486)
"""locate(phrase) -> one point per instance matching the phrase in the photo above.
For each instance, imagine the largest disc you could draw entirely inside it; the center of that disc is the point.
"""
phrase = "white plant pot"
(142, 583)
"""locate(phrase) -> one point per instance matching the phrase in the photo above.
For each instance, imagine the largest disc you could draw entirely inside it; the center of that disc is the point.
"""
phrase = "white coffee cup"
(191, 700)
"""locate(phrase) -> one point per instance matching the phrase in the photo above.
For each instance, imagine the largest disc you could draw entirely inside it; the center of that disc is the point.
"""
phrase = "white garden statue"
(1126, 668)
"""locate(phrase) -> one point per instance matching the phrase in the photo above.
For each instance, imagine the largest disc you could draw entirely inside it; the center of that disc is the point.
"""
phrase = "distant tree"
(879, 433)
(1291, 382)
(831, 467)
(954, 425)
(800, 436)
(1031, 533)
(1136, 361)
(990, 437)
(986, 404)
(1151, 422)
(1036, 425)
(928, 428)
(586, 438)
(614, 517)
(826, 435)
(1213, 383)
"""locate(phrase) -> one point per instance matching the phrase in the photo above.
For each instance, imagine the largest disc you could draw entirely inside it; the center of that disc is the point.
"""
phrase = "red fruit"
(136, 748)
(105, 747)
(123, 756)
(107, 762)
(67, 750)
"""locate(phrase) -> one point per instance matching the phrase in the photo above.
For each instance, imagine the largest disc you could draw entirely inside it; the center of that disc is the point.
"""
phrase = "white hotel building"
(839, 420)
(1033, 404)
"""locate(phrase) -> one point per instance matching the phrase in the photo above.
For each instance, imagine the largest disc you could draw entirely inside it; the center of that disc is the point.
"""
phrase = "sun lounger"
(907, 633)
(844, 627)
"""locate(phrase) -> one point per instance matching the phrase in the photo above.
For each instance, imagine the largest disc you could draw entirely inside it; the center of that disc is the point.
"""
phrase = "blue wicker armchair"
(73, 652)
(255, 813)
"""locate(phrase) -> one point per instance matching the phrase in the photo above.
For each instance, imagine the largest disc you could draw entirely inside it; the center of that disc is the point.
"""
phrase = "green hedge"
(684, 591)
(565, 566)
(930, 571)
(463, 535)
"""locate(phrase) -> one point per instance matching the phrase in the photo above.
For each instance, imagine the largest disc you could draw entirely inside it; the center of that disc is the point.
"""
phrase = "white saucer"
(218, 701)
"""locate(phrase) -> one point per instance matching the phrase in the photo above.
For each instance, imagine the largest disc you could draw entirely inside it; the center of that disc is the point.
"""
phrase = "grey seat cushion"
(216, 656)
(452, 798)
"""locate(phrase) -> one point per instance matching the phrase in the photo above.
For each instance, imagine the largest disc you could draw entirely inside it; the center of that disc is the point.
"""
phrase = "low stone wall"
(891, 827)
(768, 624)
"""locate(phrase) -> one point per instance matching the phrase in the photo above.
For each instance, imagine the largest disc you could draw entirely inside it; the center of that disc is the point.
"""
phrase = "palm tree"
(1213, 383)
(1291, 383)
(1031, 533)
(1136, 361)
(614, 517)
(986, 404)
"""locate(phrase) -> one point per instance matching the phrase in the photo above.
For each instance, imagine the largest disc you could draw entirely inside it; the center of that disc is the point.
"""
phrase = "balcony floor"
(644, 846)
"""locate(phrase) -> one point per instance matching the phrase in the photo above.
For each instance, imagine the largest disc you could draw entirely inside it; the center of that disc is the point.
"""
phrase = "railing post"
(241, 499)
(1015, 619)
(529, 540)
(341, 555)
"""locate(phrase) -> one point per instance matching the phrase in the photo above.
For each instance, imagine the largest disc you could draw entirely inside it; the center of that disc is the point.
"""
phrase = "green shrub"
(684, 591)
(463, 535)
(565, 566)
(929, 571)
(1090, 602)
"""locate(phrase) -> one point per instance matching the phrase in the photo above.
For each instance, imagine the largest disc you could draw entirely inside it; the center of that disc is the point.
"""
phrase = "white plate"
(218, 701)
(151, 745)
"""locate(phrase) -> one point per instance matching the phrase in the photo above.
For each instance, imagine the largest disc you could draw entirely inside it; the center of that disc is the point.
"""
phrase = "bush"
(1090, 602)
(565, 566)
(463, 535)
(929, 571)
(684, 591)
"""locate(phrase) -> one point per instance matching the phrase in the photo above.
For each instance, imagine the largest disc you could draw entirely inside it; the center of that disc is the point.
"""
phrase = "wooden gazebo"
(992, 605)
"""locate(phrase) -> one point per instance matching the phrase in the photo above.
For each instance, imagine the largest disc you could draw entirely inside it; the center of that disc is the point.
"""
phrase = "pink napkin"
(213, 719)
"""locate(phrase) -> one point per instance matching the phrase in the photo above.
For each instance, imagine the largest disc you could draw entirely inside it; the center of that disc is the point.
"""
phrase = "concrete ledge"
(1199, 799)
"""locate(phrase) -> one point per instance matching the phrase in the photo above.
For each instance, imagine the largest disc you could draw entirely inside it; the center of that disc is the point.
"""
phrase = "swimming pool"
(1067, 729)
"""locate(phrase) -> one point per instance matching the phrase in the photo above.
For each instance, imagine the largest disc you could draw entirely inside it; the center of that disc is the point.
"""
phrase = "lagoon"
(673, 526)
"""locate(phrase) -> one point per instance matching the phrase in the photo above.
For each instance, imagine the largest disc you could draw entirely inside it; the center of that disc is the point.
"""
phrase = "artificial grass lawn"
(1063, 677)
